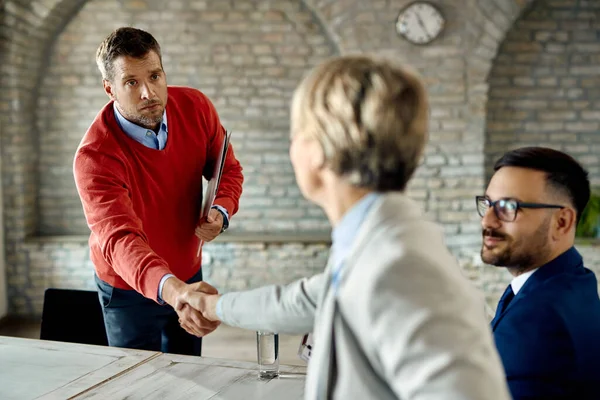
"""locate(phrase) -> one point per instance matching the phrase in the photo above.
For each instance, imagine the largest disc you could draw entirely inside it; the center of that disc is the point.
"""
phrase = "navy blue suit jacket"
(549, 334)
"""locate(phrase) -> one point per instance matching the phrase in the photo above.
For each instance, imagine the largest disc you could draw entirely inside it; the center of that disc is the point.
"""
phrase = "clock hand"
(423, 26)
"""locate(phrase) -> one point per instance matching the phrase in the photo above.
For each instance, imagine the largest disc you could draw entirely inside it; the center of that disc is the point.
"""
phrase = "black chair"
(73, 316)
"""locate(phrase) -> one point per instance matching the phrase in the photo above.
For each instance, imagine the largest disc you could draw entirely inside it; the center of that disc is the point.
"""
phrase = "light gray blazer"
(403, 324)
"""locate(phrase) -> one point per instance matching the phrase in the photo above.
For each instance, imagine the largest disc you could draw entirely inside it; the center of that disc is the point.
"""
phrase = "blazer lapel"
(323, 364)
(320, 382)
(327, 358)
(319, 364)
(569, 260)
(500, 315)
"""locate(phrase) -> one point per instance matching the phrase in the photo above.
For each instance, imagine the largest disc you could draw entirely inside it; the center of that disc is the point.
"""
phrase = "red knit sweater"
(143, 205)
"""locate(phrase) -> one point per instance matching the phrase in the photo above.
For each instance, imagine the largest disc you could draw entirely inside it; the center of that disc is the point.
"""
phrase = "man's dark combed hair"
(563, 173)
(126, 41)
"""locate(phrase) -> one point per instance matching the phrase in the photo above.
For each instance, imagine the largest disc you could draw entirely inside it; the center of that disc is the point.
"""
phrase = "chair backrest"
(73, 316)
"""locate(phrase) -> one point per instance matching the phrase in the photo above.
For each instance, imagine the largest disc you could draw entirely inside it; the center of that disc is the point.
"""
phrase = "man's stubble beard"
(150, 122)
(147, 122)
(519, 256)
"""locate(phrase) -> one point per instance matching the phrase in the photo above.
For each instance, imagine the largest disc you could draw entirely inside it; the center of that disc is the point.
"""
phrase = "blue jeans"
(136, 322)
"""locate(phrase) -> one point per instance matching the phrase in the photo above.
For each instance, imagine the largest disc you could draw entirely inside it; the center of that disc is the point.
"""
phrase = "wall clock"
(420, 22)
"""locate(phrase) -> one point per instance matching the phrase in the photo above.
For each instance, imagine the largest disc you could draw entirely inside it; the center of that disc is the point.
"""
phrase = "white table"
(37, 369)
(170, 376)
(54, 370)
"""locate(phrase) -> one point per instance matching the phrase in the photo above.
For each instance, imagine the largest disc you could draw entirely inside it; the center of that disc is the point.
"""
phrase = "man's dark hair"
(125, 41)
(563, 173)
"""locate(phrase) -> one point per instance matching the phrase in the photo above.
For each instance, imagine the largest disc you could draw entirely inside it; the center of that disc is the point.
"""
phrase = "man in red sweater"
(138, 172)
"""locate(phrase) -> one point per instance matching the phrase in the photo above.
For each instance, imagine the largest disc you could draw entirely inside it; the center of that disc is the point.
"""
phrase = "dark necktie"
(504, 302)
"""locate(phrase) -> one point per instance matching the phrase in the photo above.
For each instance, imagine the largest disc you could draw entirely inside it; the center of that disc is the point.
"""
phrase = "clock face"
(420, 22)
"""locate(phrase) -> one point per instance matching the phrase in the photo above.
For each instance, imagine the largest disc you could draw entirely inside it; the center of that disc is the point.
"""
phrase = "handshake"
(195, 304)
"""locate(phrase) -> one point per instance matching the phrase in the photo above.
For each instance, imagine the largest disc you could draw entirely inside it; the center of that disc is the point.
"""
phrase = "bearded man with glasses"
(547, 323)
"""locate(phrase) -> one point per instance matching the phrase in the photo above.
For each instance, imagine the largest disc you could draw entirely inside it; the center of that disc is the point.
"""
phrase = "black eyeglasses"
(506, 209)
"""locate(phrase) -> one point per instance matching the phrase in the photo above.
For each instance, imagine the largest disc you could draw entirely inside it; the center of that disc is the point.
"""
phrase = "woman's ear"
(317, 155)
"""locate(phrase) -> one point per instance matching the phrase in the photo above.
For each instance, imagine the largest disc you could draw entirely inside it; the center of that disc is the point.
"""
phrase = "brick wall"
(64, 262)
(545, 84)
(27, 29)
(247, 56)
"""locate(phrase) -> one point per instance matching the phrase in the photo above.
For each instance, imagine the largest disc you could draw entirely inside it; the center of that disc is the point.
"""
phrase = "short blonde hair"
(369, 116)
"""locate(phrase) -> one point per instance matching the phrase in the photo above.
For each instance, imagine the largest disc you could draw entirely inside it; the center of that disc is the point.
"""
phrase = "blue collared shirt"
(145, 136)
(151, 139)
(342, 239)
(344, 234)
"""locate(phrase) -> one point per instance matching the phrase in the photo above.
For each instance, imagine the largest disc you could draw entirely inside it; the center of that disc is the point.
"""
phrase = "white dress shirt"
(517, 283)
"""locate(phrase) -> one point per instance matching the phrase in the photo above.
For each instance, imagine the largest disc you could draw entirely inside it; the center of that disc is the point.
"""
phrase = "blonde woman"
(392, 316)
